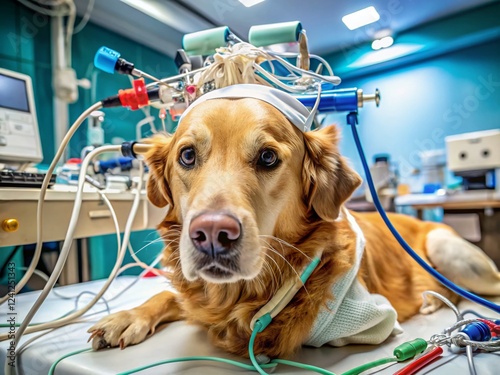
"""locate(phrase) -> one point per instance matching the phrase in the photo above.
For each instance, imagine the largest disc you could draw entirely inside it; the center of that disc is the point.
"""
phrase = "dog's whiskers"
(153, 242)
(274, 276)
(272, 249)
(283, 242)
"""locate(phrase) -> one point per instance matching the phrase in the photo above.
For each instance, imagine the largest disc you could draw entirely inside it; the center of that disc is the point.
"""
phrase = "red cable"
(423, 361)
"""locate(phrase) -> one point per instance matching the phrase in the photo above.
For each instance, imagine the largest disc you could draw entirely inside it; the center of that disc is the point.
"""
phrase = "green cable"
(167, 361)
(187, 359)
(304, 366)
(53, 367)
(251, 342)
(259, 327)
(403, 352)
(359, 369)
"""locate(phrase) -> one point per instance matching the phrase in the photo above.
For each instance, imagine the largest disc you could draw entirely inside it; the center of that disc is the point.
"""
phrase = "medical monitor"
(19, 135)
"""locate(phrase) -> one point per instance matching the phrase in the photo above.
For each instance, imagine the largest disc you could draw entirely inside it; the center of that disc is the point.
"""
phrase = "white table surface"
(179, 340)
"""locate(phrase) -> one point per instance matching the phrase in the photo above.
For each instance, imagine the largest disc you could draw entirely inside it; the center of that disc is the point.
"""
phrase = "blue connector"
(124, 163)
(109, 61)
(105, 59)
(342, 100)
(477, 331)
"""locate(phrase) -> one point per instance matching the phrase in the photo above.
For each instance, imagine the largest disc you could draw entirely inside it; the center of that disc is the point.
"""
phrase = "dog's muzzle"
(215, 236)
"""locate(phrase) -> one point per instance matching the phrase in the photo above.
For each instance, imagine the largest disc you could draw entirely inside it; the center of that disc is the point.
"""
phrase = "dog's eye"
(268, 158)
(188, 157)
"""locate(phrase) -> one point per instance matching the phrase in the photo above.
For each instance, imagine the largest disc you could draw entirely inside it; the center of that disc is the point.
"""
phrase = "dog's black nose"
(214, 233)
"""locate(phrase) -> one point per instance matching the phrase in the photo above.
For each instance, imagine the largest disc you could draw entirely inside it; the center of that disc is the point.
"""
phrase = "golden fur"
(290, 213)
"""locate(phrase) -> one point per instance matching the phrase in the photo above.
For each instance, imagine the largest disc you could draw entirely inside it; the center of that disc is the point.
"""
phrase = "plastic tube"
(206, 41)
(265, 35)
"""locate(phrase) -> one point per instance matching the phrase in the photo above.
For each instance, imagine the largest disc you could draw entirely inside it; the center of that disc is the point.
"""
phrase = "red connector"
(135, 97)
(423, 361)
(494, 328)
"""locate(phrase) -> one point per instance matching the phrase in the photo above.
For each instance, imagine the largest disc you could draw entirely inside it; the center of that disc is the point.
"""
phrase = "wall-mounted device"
(476, 158)
(19, 136)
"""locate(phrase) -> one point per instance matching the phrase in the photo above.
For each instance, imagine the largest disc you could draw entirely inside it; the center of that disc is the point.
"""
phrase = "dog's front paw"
(121, 329)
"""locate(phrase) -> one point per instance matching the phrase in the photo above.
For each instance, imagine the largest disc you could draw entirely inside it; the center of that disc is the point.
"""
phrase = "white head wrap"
(293, 110)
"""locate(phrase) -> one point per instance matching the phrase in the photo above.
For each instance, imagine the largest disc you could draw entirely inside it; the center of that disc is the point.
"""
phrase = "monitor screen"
(13, 94)
(19, 134)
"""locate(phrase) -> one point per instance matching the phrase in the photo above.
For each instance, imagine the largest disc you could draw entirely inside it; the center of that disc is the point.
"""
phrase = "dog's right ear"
(157, 159)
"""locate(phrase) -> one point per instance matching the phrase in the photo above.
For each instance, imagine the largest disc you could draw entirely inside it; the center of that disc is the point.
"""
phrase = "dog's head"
(237, 171)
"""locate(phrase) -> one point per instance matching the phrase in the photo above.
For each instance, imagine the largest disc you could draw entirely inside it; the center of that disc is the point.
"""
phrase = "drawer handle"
(99, 214)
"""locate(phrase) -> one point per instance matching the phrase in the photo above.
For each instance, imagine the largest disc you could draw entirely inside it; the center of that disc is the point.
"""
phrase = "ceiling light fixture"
(382, 42)
(250, 3)
(360, 18)
(170, 14)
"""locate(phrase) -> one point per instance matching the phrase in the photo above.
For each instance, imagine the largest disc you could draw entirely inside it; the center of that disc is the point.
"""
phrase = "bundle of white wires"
(123, 244)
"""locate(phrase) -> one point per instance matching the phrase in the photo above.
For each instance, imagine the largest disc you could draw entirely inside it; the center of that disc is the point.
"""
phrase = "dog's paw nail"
(122, 344)
(94, 334)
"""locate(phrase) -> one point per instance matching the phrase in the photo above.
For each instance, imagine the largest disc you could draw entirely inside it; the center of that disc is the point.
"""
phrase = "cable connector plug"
(133, 98)
(410, 349)
(132, 149)
(109, 61)
(475, 331)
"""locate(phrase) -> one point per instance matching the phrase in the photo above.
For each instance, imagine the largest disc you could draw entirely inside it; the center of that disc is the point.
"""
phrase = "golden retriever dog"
(252, 199)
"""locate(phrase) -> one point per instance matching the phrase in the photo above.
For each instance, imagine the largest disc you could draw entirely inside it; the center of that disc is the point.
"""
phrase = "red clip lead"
(135, 97)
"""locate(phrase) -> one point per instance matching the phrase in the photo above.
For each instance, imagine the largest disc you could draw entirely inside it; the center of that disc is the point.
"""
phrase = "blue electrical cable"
(352, 120)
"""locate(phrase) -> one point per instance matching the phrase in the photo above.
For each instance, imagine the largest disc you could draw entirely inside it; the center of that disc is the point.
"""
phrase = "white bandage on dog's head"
(293, 110)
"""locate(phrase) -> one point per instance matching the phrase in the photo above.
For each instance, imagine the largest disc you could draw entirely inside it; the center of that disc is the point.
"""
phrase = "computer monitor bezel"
(4, 156)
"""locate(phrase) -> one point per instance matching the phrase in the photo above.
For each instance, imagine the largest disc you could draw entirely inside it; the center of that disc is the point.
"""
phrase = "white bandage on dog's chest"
(354, 316)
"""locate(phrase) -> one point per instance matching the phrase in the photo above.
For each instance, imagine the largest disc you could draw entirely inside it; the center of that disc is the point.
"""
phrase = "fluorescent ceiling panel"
(361, 18)
(170, 14)
(250, 3)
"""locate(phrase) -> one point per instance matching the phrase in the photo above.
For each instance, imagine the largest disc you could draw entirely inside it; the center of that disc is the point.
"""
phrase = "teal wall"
(25, 47)
(450, 85)
(423, 103)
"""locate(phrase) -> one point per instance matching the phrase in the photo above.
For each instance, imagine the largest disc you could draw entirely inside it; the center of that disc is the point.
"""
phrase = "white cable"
(277, 82)
(66, 248)
(332, 79)
(443, 299)
(118, 241)
(136, 280)
(177, 77)
(84, 320)
(77, 297)
(113, 216)
(316, 57)
(85, 19)
(46, 11)
(314, 110)
(69, 31)
(470, 360)
(41, 199)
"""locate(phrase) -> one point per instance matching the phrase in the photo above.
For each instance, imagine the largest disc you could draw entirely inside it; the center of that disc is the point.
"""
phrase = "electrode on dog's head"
(293, 109)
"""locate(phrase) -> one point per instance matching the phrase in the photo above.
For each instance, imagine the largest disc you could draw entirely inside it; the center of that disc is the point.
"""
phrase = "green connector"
(410, 349)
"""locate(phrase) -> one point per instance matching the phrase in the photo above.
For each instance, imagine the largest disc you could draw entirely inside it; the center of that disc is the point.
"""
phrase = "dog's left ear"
(327, 179)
